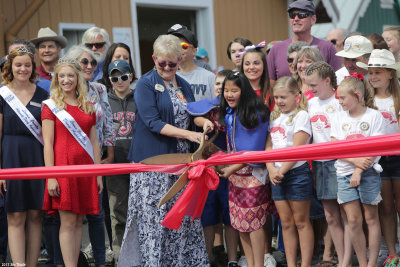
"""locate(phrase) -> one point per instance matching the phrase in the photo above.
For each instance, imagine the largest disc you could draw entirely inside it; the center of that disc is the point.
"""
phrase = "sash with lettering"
(23, 113)
(72, 126)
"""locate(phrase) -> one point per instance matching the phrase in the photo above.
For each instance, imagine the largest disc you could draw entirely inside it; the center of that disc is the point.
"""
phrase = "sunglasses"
(124, 78)
(163, 64)
(186, 45)
(333, 41)
(301, 15)
(290, 60)
(86, 61)
(97, 45)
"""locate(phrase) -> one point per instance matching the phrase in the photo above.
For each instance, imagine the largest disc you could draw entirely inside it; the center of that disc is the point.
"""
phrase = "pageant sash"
(23, 113)
(72, 126)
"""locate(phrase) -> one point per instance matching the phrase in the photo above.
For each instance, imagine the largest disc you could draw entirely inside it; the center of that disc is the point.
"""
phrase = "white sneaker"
(269, 260)
(89, 253)
(242, 261)
(109, 255)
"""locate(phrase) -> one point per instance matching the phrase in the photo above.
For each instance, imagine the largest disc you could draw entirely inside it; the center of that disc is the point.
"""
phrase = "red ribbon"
(356, 75)
(192, 200)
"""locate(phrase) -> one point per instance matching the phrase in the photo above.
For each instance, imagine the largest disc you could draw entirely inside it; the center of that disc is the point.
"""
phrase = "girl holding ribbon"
(69, 133)
(22, 146)
(245, 118)
(359, 182)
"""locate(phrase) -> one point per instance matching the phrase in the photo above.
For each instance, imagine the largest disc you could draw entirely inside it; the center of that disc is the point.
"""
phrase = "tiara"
(22, 49)
(67, 60)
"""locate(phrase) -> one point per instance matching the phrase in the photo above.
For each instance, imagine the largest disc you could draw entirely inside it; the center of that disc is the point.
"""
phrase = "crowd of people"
(88, 107)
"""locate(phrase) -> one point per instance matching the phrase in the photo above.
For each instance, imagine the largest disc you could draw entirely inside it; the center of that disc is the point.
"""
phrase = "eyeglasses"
(97, 45)
(86, 61)
(333, 41)
(124, 78)
(163, 64)
(301, 15)
(186, 45)
(290, 60)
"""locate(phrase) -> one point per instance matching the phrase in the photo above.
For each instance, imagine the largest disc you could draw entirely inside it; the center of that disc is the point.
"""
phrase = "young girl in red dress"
(69, 134)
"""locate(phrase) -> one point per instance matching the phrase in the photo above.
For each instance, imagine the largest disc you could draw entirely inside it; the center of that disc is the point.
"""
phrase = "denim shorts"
(391, 167)
(297, 184)
(217, 205)
(368, 192)
(325, 179)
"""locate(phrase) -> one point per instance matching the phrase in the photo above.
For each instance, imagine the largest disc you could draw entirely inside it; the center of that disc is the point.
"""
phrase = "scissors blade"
(178, 185)
(166, 159)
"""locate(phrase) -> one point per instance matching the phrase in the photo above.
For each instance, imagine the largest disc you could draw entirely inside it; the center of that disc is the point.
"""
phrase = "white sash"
(72, 126)
(23, 113)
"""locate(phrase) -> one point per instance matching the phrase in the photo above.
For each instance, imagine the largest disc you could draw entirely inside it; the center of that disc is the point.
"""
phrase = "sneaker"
(391, 261)
(89, 253)
(109, 255)
(242, 261)
(269, 260)
(233, 264)
(43, 256)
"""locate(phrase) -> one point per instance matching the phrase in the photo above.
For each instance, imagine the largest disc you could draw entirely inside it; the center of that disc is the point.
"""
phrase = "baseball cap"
(120, 65)
(302, 5)
(182, 31)
(201, 52)
(355, 46)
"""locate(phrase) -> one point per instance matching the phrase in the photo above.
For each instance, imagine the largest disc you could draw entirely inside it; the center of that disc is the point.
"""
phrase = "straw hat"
(46, 34)
(381, 58)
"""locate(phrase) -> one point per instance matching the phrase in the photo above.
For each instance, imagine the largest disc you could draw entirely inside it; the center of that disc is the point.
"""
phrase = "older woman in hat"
(162, 126)
(383, 72)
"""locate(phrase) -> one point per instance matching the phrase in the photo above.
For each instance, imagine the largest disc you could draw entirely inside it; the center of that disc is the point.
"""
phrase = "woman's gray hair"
(77, 50)
(167, 45)
(295, 47)
(311, 52)
(92, 34)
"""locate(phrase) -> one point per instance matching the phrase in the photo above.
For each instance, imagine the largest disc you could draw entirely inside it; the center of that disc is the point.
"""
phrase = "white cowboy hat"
(46, 34)
(381, 58)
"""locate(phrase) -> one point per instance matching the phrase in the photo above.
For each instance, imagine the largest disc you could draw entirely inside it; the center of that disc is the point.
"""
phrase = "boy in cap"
(356, 48)
(123, 109)
(200, 80)
(302, 18)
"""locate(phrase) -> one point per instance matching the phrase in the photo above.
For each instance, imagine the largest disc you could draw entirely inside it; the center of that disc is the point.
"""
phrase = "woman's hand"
(208, 124)
(227, 171)
(194, 136)
(362, 163)
(100, 184)
(355, 179)
(3, 188)
(274, 175)
(107, 160)
(53, 187)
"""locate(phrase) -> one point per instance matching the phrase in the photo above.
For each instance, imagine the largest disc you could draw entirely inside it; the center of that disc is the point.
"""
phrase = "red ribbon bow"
(356, 75)
(193, 198)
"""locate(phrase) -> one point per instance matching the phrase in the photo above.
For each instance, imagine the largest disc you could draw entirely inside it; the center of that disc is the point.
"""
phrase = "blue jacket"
(153, 111)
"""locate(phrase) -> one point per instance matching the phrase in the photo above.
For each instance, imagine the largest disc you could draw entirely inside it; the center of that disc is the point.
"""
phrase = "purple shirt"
(277, 57)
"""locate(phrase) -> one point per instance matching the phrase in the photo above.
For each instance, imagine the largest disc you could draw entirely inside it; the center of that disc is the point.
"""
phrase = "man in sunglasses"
(201, 81)
(301, 17)
(336, 37)
(49, 46)
(97, 40)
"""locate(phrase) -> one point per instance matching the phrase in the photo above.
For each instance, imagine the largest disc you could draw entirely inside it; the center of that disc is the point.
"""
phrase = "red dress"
(77, 194)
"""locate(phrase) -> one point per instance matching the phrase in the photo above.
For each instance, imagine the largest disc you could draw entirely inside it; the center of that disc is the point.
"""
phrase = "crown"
(67, 60)
(22, 49)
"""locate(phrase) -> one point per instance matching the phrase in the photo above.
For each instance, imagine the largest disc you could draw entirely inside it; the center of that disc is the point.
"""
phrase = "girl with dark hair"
(254, 66)
(116, 51)
(245, 118)
(235, 47)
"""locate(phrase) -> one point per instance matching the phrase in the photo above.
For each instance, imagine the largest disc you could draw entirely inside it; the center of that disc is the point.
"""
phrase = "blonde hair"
(323, 70)
(167, 45)
(310, 52)
(394, 90)
(363, 87)
(394, 29)
(57, 93)
(290, 84)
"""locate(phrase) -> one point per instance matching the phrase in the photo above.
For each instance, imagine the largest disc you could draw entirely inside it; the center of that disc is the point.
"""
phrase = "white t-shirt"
(321, 112)
(345, 127)
(282, 131)
(340, 74)
(201, 82)
(386, 107)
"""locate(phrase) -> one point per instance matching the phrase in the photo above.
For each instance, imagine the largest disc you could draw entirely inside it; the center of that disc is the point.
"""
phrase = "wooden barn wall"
(257, 20)
(104, 13)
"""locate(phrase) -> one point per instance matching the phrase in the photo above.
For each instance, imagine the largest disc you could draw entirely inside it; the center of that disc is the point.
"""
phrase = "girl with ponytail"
(359, 182)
